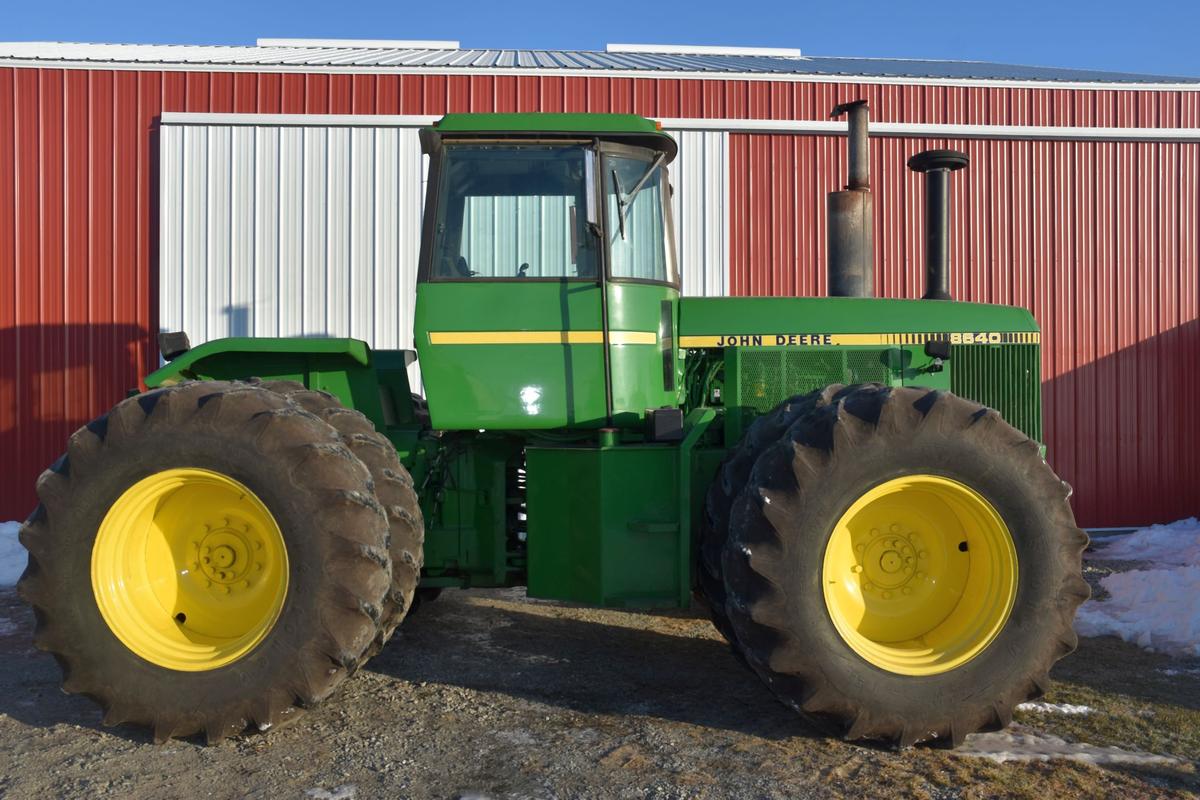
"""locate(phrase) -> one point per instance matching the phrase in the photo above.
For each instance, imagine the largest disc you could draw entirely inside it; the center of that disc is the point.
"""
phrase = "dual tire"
(898, 564)
(212, 555)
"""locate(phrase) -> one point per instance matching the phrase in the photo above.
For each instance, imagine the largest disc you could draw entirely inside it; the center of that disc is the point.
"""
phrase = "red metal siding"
(1100, 240)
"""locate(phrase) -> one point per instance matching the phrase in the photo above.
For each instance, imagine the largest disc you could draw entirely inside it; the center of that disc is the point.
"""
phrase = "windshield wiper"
(623, 203)
(620, 203)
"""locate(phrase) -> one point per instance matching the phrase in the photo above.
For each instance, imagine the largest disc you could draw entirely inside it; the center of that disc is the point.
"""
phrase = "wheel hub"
(891, 559)
(227, 555)
(919, 575)
(185, 591)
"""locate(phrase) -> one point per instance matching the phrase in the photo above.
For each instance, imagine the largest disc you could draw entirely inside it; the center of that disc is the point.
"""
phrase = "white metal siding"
(314, 230)
(290, 231)
(700, 205)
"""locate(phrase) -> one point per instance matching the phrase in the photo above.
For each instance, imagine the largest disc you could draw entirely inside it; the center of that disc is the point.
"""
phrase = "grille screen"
(1004, 377)
(766, 377)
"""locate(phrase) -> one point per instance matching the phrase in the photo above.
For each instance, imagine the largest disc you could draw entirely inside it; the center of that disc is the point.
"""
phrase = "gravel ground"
(486, 694)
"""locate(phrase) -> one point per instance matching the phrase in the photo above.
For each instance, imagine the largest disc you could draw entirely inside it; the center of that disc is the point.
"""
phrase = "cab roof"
(628, 128)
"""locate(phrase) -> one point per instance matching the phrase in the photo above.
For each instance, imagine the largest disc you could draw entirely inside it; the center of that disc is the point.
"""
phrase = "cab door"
(643, 283)
(508, 320)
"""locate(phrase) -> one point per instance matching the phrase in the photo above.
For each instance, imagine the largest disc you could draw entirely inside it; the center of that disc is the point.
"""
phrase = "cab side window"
(513, 212)
(633, 198)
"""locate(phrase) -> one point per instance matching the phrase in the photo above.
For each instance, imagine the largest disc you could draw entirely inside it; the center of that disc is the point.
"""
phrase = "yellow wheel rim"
(920, 575)
(189, 569)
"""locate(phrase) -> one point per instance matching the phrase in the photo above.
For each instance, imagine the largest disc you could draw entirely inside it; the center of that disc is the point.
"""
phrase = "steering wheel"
(463, 270)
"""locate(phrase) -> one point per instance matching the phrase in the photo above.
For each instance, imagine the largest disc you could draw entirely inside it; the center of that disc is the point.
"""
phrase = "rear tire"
(318, 498)
(393, 487)
(878, 683)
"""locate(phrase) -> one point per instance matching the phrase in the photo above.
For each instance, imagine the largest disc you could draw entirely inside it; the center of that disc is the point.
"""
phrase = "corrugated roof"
(408, 59)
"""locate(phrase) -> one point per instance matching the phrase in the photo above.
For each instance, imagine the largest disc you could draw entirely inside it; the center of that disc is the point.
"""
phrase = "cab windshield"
(513, 212)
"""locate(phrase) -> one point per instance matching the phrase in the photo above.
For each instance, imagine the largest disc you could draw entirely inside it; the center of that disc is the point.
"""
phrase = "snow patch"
(1055, 708)
(1019, 743)
(1157, 608)
(1175, 544)
(344, 792)
(12, 554)
(1171, 673)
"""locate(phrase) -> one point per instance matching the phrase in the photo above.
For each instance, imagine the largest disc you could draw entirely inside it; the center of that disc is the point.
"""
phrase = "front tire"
(155, 535)
(725, 488)
(902, 563)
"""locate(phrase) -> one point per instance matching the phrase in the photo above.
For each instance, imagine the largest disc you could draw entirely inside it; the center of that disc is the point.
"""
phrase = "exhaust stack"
(937, 166)
(851, 256)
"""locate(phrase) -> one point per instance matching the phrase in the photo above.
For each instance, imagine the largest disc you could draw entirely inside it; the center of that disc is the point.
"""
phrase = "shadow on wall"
(238, 323)
(1124, 431)
(53, 379)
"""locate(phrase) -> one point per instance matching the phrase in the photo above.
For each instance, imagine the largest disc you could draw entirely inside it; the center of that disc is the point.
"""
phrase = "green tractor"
(853, 487)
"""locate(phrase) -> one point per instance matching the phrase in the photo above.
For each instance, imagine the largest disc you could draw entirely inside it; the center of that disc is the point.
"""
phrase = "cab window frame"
(647, 154)
(435, 187)
(598, 150)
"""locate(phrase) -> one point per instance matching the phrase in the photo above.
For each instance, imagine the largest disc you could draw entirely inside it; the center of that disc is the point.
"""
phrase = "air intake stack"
(937, 166)
(851, 228)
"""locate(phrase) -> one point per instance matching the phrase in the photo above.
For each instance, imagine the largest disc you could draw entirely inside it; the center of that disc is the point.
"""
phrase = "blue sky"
(1152, 36)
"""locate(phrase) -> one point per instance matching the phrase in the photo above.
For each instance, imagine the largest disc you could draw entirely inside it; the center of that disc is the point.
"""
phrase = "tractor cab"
(548, 289)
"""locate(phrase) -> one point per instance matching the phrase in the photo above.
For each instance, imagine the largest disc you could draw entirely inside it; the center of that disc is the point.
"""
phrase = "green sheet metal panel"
(527, 355)
(815, 316)
(604, 525)
(629, 128)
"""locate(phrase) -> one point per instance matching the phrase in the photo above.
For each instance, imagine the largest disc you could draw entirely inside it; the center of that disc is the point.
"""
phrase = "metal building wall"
(76, 286)
(79, 237)
(282, 230)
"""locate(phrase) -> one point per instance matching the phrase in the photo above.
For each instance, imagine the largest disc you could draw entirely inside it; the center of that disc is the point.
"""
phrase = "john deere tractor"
(853, 487)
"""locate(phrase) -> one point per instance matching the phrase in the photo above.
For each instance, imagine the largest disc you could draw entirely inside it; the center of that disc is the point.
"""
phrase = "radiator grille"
(765, 377)
(1004, 377)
